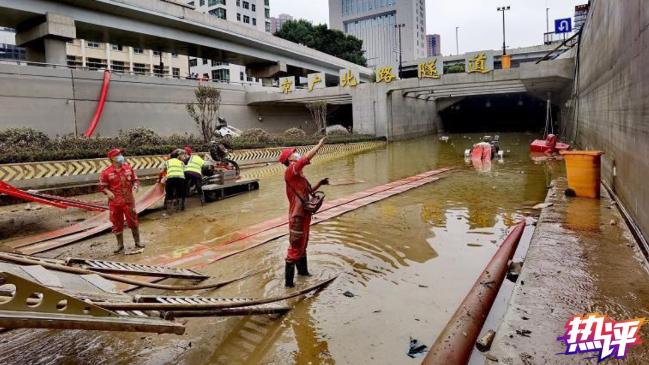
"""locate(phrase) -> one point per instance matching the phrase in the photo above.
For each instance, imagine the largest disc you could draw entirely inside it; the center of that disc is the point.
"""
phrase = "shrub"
(294, 133)
(139, 137)
(23, 138)
(337, 130)
(256, 135)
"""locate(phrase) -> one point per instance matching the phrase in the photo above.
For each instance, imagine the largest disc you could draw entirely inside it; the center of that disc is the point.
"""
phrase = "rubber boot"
(289, 274)
(136, 237)
(302, 267)
(120, 243)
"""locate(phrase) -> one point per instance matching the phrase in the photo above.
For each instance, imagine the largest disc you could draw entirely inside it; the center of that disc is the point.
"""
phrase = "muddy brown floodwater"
(408, 261)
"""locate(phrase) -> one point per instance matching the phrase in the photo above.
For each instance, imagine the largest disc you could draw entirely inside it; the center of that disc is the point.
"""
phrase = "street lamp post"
(502, 9)
(399, 26)
(457, 43)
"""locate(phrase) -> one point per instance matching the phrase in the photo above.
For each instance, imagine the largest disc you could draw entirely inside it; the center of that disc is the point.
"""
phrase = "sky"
(479, 21)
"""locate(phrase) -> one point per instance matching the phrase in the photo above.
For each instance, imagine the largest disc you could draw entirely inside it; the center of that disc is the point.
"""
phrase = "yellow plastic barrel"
(506, 61)
(583, 169)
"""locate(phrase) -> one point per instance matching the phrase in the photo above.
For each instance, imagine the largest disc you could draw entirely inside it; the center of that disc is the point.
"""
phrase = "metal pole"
(504, 47)
(547, 20)
(400, 52)
(457, 43)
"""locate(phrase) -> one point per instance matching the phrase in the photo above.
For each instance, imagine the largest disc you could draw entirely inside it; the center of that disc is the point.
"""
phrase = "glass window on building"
(204, 61)
(253, 7)
(174, 55)
(267, 13)
(246, 5)
(254, 21)
(239, 3)
(116, 47)
(193, 62)
(140, 68)
(238, 17)
(268, 27)
(202, 2)
(176, 72)
(266, 2)
(74, 62)
(215, 2)
(95, 63)
(219, 13)
(92, 44)
(157, 71)
(241, 76)
(221, 75)
(246, 19)
(118, 66)
(138, 50)
(156, 53)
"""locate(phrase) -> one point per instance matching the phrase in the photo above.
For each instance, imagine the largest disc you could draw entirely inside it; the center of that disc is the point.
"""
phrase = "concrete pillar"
(109, 47)
(45, 42)
(151, 62)
(130, 60)
(84, 59)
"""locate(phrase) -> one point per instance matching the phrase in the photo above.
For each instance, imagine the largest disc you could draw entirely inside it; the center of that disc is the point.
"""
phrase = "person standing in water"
(298, 190)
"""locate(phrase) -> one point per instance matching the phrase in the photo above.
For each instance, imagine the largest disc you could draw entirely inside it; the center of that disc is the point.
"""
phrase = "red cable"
(100, 107)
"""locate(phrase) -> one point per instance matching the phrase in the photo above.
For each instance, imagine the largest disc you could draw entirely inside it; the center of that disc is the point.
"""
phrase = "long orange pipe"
(100, 106)
(455, 344)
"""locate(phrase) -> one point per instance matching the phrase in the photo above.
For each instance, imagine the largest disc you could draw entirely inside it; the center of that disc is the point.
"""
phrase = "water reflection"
(420, 251)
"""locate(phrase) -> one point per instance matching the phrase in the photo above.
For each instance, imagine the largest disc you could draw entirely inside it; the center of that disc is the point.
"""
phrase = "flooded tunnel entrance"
(503, 113)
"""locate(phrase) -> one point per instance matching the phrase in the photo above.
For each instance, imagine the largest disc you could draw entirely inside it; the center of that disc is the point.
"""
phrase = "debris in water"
(416, 348)
(613, 222)
(423, 286)
(514, 271)
(570, 193)
(484, 343)
(524, 333)
(348, 294)
(474, 245)
(542, 205)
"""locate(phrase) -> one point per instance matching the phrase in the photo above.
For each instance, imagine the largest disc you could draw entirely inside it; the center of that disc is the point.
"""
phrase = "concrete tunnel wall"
(612, 106)
(379, 111)
(62, 101)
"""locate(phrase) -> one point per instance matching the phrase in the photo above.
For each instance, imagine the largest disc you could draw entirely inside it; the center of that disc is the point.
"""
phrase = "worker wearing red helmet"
(117, 182)
(299, 220)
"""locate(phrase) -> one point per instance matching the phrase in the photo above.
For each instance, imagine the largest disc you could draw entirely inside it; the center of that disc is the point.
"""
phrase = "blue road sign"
(563, 25)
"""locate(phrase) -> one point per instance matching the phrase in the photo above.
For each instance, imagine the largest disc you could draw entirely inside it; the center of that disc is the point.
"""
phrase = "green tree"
(321, 38)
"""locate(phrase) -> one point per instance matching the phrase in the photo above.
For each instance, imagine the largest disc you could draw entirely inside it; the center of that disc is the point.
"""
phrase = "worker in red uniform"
(118, 181)
(299, 220)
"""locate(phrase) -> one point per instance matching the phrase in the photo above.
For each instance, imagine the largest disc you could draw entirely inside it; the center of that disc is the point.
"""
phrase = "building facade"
(253, 13)
(8, 48)
(276, 23)
(123, 59)
(433, 45)
(375, 23)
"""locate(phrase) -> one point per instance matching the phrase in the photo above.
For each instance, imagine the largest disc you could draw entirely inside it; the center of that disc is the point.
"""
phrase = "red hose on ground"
(100, 106)
(455, 344)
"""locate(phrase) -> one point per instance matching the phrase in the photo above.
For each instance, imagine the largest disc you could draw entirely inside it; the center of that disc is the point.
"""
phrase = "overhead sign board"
(563, 25)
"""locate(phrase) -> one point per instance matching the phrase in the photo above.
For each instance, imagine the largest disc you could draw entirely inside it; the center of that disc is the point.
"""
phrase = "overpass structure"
(43, 27)
(411, 106)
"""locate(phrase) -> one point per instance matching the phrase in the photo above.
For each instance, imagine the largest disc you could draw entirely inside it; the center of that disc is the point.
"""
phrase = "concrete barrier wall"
(62, 101)
(412, 117)
(612, 107)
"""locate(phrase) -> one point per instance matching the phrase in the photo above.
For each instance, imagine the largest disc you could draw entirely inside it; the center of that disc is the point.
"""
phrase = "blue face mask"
(120, 159)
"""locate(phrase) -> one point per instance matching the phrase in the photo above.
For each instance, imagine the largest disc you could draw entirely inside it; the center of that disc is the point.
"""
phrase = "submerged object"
(548, 145)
